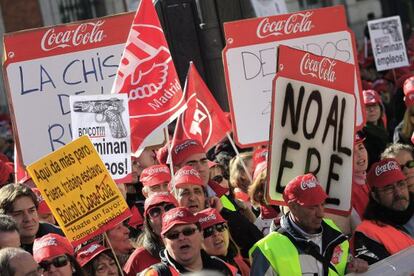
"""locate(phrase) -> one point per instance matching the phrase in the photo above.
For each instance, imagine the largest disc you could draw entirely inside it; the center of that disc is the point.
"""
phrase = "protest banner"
(387, 43)
(269, 7)
(79, 190)
(105, 119)
(312, 125)
(147, 75)
(77, 58)
(250, 62)
(203, 120)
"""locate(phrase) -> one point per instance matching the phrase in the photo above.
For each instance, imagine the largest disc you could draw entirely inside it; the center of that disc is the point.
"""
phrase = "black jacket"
(44, 229)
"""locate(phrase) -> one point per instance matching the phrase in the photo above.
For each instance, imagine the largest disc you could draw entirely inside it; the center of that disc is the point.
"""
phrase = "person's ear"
(374, 196)
(145, 191)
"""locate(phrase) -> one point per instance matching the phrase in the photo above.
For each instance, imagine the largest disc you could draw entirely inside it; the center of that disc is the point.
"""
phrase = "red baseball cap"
(184, 149)
(177, 216)
(42, 208)
(89, 252)
(187, 175)
(408, 89)
(155, 175)
(209, 217)
(51, 245)
(371, 97)
(259, 156)
(6, 169)
(384, 172)
(305, 190)
(158, 198)
(259, 169)
(359, 137)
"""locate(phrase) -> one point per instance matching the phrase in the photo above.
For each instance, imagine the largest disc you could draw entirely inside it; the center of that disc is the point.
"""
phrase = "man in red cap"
(155, 179)
(182, 237)
(388, 225)
(305, 241)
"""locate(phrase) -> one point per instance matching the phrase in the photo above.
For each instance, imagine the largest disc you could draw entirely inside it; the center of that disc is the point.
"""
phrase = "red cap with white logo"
(305, 190)
(371, 97)
(408, 88)
(184, 149)
(155, 175)
(384, 172)
(89, 252)
(187, 175)
(209, 217)
(177, 216)
(158, 198)
(51, 245)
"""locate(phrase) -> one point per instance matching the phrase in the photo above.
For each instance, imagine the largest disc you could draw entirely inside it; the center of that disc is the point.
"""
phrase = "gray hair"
(6, 254)
(394, 149)
(8, 224)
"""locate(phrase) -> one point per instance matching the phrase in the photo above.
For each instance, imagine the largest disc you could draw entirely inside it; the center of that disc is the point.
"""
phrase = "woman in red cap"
(55, 255)
(218, 241)
(150, 241)
(97, 260)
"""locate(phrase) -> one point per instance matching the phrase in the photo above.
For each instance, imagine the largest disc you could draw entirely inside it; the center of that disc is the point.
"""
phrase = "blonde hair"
(407, 127)
(237, 173)
(257, 189)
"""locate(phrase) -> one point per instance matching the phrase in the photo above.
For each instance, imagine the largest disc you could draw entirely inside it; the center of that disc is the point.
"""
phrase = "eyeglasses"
(389, 189)
(408, 165)
(218, 178)
(56, 262)
(156, 211)
(210, 230)
(186, 232)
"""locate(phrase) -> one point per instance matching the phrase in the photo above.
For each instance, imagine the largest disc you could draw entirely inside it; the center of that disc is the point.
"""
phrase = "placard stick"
(395, 76)
(241, 159)
(113, 252)
(169, 158)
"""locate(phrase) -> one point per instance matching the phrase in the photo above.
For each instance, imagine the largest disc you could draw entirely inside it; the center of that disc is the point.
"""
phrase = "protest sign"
(312, 125)
(78, 58)
(105, 119)
(250, 62)
(387, 43)
(269, 7)
(79, 190)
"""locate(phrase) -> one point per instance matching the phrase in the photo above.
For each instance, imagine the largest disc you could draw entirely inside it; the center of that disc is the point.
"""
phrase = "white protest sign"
(78, 58)
(250, 62)
(387, 43)
(312, 125)
(105, 119)
(269, 7)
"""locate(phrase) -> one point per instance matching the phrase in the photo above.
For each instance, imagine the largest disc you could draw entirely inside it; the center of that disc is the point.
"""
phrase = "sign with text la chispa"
(312, 125)
(72, 59)
(250, 62)
(387, 41)
(105, 119)
(79, 190)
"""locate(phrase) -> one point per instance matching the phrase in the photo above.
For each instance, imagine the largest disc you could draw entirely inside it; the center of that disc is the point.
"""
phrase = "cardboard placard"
(105, 119)
(312, 125)
(387, 43)
(250, 62)
(79, 190)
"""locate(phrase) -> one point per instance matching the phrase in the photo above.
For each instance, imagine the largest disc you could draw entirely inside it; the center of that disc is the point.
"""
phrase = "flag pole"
(238, 154)
(169, 158)
(113, 252)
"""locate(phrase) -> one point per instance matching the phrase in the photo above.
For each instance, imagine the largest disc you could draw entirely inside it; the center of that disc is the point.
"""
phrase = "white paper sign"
(387, 42)
(269, 7)
(105, 119)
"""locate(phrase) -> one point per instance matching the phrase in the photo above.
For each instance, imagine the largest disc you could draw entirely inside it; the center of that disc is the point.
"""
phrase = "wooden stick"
(113, 252)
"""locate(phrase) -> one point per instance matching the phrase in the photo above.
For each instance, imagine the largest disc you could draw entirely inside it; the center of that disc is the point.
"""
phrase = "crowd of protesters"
(212, 214)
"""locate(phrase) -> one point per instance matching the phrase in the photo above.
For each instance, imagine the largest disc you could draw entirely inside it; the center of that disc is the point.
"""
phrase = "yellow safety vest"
(284, 257)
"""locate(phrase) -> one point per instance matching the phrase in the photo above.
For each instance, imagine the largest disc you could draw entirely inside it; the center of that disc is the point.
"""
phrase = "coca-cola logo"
(47, 242)
(308, 183)
(86, 33)
(389, 166)
(185, 172)
(207, 218)
(184, 145)
(323, 69)
(162, 169)
(172, 216)
(90, 250)
(296, 23)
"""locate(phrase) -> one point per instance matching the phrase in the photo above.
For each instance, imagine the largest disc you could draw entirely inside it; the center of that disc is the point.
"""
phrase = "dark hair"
(89, 269)
(11, 192)
(77, 270)
(150, 240)
(8, 224)
(6, 254)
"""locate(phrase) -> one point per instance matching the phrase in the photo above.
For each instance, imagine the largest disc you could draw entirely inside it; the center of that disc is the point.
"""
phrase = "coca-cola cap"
(304, 190)
(384, 172)
(177, 216)
(371, 97)
(209, 217)
(155, 175)
(184, 149)
(187, 175)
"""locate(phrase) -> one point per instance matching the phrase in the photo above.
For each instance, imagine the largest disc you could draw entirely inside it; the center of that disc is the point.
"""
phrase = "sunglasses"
(408, 165)
(217, 227)
(218, 178)
(156, 211)
(186, 232)
(56, 262)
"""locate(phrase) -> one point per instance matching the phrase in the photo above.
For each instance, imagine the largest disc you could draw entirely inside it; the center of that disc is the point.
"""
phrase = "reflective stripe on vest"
(284, 257)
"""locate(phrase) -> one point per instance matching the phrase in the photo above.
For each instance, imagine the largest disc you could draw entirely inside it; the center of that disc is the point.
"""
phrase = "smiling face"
(360, 158)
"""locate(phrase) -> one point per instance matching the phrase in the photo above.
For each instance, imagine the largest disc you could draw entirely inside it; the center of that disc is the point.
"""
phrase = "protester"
(218, 242)
(376, 134)
(55, 255)
(218, 174)
(305, 241)
(9, 233)
(404, 155)
(20, 202)
(43, 210)
(119, 240)
(155, 179)
(240, 180)
(96, 260)
(16, 262)
(182, 237)
(388, 225)
(404, 130)
(150, 242)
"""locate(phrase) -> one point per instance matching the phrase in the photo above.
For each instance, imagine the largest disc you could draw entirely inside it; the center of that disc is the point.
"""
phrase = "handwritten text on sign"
(79, 190)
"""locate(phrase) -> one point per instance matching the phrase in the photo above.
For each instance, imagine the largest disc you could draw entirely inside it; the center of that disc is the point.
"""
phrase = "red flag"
(203, 119)
(148, 75)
